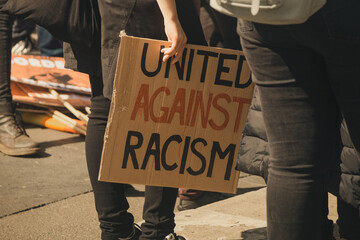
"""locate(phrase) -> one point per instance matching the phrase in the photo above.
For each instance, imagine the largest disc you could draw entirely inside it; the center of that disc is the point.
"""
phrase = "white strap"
(255, 6)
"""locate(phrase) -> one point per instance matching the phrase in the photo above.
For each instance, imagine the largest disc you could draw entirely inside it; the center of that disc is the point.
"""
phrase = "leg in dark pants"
(110, 200)
(298, 167)
(13, 138)
(158, 212)
(5, 56)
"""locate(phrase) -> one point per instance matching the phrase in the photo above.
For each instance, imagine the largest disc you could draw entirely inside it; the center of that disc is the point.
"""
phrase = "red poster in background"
(48, 72)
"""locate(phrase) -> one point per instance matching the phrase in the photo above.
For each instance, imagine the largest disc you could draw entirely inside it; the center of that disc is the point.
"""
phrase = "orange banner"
(48, 72)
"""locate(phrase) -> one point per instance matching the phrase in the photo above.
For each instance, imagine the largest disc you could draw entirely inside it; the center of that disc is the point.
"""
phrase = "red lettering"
(222, 110)
(142, 103)
(165, 110)
(178, 106)
(189, 109)
(204, 115)
(241, 102)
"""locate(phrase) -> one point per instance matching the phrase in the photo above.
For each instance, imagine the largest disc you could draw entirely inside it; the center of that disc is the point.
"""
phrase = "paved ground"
(48, 197)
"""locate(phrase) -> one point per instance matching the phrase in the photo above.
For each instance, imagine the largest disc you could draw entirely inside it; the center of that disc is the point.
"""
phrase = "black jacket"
(349, 188)
(253, 155)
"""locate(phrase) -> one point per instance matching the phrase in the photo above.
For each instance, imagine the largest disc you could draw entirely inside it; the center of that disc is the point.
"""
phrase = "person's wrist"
(171, 17)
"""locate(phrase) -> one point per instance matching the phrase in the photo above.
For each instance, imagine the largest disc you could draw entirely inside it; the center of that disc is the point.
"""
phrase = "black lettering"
(206, 54)
(175, 138)
(184, 155)
(238, 74)
(180, 68)
(216, 149)
(154, 140)
(199, 155)
(167, 69)
(221, 68)
(191, 58)
(130, 149)
(143, 62)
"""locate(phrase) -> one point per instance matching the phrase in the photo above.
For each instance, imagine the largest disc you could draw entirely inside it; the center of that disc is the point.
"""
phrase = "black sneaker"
(134, 235)
(173, 236)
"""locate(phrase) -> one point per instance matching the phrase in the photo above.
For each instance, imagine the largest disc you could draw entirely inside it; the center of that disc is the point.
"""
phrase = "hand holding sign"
(173, 30)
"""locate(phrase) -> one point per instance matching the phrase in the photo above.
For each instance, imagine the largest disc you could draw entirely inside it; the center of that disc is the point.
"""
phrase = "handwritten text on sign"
(176, 125)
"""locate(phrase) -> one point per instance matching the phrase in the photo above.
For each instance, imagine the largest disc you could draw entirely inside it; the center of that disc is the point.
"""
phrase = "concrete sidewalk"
(239, 217)
(49, 197)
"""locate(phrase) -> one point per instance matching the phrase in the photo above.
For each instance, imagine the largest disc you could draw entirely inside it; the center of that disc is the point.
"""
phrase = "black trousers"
(5, 56)
(305, 73)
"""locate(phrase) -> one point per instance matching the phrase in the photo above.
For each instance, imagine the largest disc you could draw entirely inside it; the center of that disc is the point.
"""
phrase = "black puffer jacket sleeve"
(349, 189)
(253, 155)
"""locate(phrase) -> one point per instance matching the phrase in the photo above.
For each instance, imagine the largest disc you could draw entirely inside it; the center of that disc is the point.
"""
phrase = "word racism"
(159, 154)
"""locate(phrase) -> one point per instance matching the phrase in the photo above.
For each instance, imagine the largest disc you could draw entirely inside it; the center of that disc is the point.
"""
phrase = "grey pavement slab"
(241, 217)
(57, 173)
(73, 218)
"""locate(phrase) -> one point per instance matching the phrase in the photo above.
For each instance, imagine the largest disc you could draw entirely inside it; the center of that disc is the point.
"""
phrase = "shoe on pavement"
(134, 235)
(14, 140)
(204, 199)
(173, 236)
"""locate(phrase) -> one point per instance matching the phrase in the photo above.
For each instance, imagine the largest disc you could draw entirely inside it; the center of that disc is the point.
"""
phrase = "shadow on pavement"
(60, 142)
(254, 234)
(130, 191)
(245, 190)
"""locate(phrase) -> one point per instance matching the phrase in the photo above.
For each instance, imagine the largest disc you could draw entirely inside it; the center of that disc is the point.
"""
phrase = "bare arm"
(173, 30)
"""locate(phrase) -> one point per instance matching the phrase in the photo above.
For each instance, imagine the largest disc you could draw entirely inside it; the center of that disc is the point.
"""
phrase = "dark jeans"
(5, 56)
(305, 73)
(224, 29)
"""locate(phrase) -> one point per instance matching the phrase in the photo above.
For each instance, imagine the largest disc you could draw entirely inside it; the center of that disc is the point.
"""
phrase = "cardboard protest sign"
(176, 125)
(48, 72)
